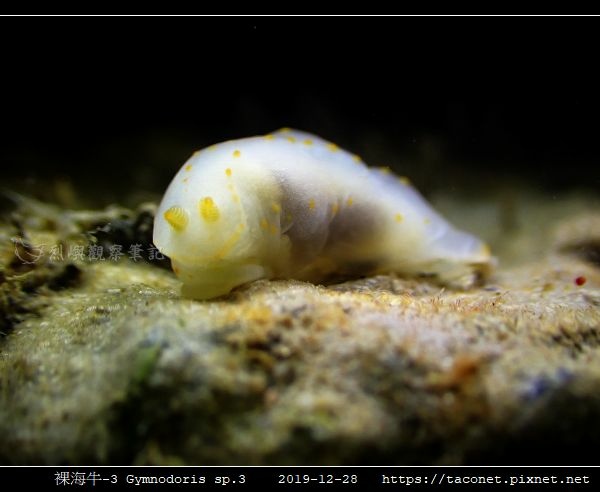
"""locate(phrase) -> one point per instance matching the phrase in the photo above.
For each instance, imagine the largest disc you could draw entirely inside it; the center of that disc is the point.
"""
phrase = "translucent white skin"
(292, 205)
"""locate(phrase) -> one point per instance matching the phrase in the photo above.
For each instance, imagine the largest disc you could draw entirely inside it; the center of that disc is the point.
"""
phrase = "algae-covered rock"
(101, 360)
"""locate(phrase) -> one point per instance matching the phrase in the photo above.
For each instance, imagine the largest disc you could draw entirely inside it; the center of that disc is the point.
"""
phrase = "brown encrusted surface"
(112, 366)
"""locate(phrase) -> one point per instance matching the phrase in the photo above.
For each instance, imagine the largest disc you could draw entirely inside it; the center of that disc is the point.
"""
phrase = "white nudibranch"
(292, 205)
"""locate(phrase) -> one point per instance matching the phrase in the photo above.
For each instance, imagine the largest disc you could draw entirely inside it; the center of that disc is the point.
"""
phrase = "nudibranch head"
(193, 223)
(201, 223)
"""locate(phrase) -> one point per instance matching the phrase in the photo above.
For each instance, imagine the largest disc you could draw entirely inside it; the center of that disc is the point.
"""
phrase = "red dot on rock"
(580, 280)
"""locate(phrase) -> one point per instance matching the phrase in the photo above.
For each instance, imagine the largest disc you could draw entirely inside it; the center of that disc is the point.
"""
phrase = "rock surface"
(102, 362)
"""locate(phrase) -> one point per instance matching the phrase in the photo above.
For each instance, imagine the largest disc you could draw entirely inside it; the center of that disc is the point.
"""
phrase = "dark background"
(114, 106)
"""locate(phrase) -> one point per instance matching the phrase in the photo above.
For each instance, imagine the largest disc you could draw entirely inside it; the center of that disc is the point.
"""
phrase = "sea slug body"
(292, 205)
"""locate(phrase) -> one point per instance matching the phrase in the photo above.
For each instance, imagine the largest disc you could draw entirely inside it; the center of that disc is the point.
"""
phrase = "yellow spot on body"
(385, 170)
(285, 129)
(333, 147)
(264, 223)
(404, 180)
(291, 139)
(427, 220)
(208, 209)
(485, 250)
(177, 218)
(288, 217)
(228, 171)
(350, 201)
(188, 167)
(335, 208)
(176, 270)
(273, 229)
(269, 137)
(185, 180)
(212, 148)
(234, 195)
(308, 141)
(236, 153)
(276, 207)
(398, 218)
(311, 204)
(356, 158)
